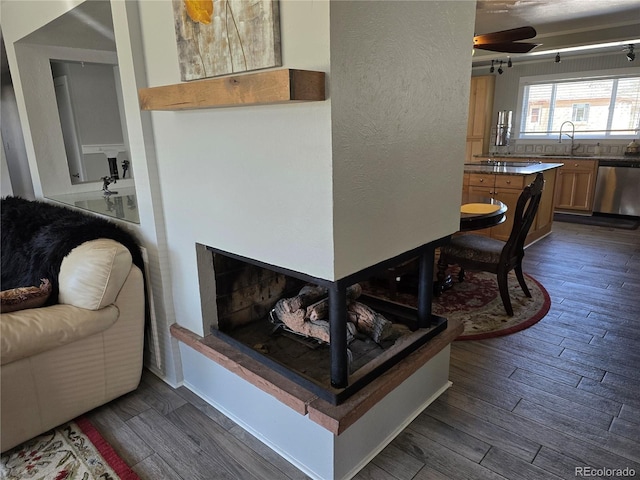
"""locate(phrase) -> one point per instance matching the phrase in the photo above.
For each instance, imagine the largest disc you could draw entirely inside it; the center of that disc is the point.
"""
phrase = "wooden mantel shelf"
(269, 87)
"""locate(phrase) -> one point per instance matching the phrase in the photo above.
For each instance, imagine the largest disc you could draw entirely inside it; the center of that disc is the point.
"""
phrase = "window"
(599, 107)
(535, 115)
(580, 112)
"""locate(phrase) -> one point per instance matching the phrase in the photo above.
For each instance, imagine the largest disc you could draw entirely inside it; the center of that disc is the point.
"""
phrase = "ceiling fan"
(506, 40)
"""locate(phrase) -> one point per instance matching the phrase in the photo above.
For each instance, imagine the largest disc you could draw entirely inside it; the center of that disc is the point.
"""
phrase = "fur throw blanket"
(36, 236)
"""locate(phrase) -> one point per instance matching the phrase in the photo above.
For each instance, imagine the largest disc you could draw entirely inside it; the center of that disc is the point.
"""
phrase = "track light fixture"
(500, 63)
(631, 56)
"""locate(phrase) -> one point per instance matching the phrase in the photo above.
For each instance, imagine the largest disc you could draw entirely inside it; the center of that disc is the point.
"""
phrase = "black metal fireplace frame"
(422, 317)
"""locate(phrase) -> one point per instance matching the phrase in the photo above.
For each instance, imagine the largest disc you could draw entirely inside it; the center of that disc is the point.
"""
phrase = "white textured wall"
(400, 90)
(13, 145)
(5, 181)
(255, 181)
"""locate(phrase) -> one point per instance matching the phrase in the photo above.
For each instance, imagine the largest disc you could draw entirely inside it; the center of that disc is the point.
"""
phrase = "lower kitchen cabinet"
(575, 186)
(508, 196)
(507, 189)
(544, 218)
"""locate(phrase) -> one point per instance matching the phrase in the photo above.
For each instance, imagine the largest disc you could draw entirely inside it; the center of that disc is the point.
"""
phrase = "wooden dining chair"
(480, 253)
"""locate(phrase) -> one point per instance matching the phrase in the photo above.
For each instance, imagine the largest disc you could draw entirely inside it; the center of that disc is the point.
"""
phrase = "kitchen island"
(504, 180)
(576, 180)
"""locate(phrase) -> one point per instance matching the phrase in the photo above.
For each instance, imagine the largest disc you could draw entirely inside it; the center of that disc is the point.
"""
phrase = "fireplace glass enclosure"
(251, 298)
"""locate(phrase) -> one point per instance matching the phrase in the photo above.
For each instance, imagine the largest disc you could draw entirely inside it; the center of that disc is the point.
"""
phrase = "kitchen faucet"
(573, 134)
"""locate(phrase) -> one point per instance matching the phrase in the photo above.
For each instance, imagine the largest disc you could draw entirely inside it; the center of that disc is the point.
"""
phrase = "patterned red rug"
(72, 451)
(477, 304)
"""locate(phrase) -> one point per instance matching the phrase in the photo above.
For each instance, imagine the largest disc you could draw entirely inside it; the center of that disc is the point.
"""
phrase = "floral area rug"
(477, 304)
(72, 451)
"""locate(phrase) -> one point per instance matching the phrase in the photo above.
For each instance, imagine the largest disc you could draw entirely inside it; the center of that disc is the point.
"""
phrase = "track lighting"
(558, 57)
(500, 64)
(630, 55)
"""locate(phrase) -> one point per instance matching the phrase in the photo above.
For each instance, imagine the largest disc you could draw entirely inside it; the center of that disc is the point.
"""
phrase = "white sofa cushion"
(29, 332)
(92, 274)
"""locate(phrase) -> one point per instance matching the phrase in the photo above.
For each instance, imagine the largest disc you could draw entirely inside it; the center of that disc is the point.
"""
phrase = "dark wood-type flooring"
(564, 393)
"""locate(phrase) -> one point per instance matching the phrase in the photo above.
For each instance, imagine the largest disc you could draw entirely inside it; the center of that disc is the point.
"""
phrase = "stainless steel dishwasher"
(618, 187)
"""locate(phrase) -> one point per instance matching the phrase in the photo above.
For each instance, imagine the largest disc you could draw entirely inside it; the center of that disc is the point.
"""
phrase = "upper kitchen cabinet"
(480, 110)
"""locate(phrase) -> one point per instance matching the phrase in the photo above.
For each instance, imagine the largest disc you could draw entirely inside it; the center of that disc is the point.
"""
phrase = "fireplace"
(239, 302)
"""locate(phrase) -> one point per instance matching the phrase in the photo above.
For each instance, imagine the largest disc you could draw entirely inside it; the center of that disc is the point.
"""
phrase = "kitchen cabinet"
(480, 111)
(507, 189)
(544, 218)
(576, 185)
(575, 182)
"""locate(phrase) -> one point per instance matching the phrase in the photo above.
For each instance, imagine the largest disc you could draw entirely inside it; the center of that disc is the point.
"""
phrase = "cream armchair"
(63, 360)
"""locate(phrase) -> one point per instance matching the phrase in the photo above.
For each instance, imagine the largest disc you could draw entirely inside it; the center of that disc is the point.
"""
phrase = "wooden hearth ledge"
(335, 418)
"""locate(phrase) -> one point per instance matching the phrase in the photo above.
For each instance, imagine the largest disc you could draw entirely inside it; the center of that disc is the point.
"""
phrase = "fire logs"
(320, 309)
(297, 322)
(307, 295)
(307, 313)
(368, 321)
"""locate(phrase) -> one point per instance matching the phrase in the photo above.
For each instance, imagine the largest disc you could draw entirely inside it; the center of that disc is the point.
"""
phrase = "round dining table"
(478, 212)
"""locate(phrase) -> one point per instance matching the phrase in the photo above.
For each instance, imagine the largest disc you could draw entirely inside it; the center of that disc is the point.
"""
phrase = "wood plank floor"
(561, 395)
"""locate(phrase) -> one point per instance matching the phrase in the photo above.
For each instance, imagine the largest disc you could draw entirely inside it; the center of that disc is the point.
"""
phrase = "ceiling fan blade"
(507, 47)
(521, 33)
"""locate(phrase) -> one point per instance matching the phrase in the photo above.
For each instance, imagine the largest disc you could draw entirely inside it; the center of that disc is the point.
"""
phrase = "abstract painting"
(220, 37)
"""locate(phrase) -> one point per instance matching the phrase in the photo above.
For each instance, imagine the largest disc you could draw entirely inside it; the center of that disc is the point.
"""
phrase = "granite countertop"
(560, 157)
(510, 168)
